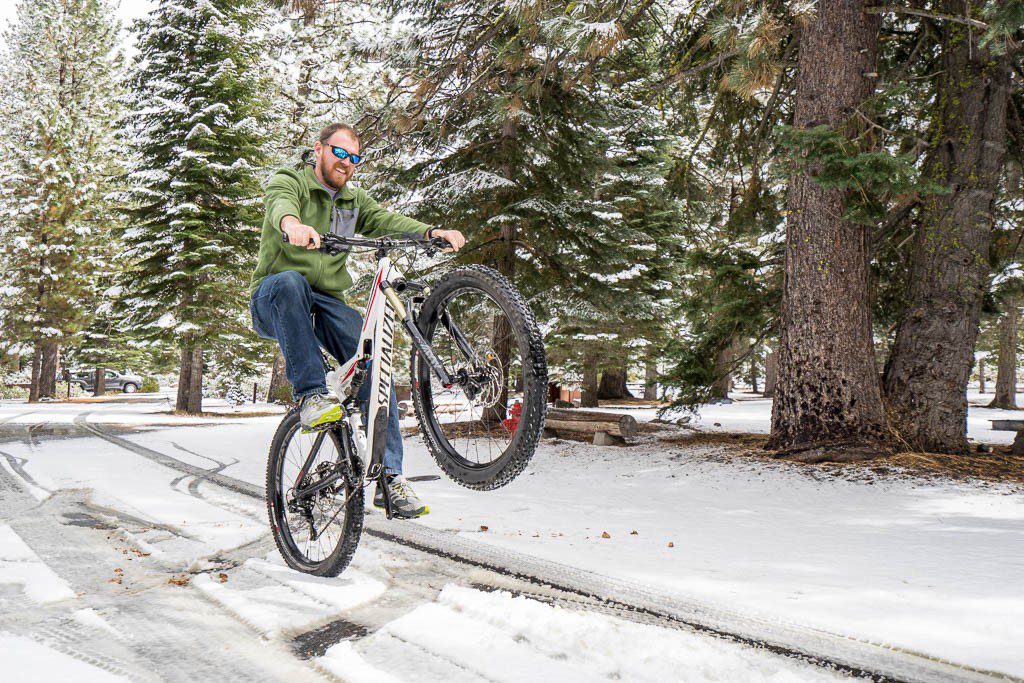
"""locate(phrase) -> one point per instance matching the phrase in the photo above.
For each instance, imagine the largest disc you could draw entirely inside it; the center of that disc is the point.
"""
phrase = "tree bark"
(99, 381)
(280, 391)
(771, 373)
(195, 394)
(981, 375)
(588, 395)
(723, 371)
(44, 371)
(586, 422)
(613, 384)
(926, 376)
(37, 364)
(827, 399)
(190, 381)
(1006, 377)
(501, 329)
(501, 342)
(184, 379)
(651, 381)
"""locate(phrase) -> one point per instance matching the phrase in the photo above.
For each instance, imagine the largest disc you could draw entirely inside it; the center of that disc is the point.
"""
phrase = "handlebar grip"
(284, 238)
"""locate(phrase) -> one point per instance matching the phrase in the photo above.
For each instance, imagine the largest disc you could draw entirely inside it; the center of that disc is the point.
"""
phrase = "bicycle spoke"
(474, 423)
(311, 533)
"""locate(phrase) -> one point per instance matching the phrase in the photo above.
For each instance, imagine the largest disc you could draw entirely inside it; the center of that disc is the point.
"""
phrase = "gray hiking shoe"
(404, 502)
(319, 411)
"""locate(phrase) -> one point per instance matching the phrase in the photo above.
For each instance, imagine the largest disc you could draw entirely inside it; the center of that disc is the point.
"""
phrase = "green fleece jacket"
(300, 194)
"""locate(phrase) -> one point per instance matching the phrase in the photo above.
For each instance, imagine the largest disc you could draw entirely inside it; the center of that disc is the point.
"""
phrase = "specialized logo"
(387, 342)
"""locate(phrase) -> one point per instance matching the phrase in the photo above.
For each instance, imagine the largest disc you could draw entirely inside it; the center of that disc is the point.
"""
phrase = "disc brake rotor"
(485, 381)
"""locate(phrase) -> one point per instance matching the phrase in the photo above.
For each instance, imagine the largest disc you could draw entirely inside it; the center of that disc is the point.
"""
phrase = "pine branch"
(892, 220)
(769, 108)
(712, 63)
(896, 9)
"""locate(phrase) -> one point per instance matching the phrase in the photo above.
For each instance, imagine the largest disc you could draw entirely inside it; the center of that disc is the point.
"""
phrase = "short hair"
(328, 131)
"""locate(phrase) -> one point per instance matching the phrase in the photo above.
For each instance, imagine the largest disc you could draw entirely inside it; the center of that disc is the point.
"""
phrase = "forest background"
(823, 196)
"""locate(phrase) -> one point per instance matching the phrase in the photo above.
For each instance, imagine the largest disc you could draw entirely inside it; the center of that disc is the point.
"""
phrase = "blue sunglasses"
(345, 154)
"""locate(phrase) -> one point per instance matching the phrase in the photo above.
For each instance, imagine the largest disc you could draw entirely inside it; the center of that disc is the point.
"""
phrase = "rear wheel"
(482, 430)
(317, 534)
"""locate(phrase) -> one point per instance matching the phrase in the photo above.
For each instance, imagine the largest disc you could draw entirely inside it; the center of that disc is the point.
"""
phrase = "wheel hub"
(484, 383)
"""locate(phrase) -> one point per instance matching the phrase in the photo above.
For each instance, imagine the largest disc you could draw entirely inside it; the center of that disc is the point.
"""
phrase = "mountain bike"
(478, 378)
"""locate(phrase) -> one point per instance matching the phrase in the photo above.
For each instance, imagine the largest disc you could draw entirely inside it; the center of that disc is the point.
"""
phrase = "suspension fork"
(414, 333)
(421, 344)
(457, 335)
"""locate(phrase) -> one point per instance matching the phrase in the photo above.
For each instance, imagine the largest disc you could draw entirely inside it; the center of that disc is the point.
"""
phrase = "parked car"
(115, 381)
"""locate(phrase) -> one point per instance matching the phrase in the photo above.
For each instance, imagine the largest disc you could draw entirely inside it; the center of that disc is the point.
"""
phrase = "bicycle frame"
(375, 348)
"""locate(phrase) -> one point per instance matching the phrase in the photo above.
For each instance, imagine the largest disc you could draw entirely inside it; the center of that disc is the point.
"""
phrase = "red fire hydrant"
(512, 421)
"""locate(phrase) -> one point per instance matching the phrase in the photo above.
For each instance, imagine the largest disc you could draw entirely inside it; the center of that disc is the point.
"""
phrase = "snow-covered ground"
(933, 567)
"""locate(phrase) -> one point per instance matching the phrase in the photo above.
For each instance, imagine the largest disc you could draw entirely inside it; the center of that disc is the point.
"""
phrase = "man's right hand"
(299, 234)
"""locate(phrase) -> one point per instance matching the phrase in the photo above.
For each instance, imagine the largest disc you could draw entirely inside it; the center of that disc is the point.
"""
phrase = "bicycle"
(479, 378)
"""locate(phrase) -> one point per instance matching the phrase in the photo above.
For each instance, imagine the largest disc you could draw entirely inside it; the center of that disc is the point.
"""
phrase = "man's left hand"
(454, 237)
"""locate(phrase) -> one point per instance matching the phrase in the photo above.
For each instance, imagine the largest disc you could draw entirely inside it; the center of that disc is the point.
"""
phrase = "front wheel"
(484, 428)
(317, 534)
(130, 388)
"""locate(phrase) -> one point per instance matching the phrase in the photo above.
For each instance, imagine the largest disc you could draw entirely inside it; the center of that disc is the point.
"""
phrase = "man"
(293, 280)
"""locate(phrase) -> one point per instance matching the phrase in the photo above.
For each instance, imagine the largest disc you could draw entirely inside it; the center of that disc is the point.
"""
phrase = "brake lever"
(436, 244)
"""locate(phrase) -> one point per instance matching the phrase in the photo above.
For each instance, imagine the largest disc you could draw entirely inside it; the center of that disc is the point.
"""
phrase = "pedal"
(321, 427)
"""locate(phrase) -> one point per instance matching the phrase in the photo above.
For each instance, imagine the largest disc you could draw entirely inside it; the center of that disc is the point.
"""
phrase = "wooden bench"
(1012, 426)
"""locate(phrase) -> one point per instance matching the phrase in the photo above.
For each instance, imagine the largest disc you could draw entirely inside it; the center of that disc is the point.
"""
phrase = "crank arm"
(317, 487)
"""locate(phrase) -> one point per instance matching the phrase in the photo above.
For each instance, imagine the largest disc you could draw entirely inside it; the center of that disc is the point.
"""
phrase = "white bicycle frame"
(376, 345)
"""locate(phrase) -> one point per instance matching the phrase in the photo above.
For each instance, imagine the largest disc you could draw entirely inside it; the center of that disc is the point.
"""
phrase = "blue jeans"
(281, 307)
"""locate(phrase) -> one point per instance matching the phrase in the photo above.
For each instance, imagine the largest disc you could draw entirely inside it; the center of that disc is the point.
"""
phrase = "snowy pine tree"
(517, 125)
(200, 140)
(59, 80)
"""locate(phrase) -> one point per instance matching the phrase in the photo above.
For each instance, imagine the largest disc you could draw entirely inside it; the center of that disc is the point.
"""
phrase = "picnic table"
(1012, 426)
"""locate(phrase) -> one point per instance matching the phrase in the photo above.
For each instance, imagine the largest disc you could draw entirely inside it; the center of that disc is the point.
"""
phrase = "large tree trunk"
(926, 376)
(827, 400)
(37, 366)
(1006, 378)
(190, 381)
(613, 384)
(771, 373)
(195, 393)
(184, 379)
(305, 77)
(723, 371)
(44, 371)
(99, 381)
(588, 395)
(651, 381)
(501, 332)
(280, 390)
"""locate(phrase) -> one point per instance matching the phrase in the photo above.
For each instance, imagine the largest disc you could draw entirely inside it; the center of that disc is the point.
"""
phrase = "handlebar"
(333, 245)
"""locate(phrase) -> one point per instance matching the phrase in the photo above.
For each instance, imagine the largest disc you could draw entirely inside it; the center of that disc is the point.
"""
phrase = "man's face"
(334, 171)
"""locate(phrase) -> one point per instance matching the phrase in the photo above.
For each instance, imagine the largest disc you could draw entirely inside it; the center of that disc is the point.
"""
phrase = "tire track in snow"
(167, 632)
(875, 661)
